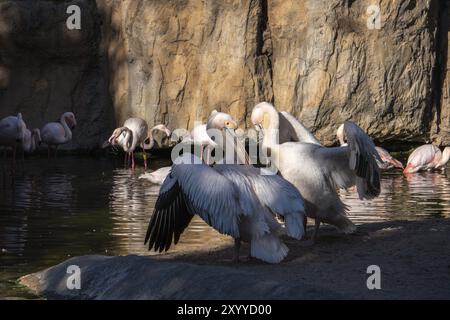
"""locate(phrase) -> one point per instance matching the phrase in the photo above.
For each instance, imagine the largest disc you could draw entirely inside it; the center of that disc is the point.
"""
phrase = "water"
(71, 206)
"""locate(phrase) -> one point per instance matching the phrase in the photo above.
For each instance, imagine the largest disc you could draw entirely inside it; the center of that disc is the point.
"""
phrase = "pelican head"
(220, 121)
(261, 115)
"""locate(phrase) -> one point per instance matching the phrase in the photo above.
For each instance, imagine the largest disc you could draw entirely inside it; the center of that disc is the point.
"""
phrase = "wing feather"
(353, 164)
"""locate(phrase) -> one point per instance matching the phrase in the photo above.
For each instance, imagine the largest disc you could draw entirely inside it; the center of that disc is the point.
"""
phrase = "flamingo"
(31, 140)
(134, 132)
(199, 136)
(12, 131)
(318, 171)
(159, 134)
(234, 199)
(54, 134)
(387, 161)
(427, 157)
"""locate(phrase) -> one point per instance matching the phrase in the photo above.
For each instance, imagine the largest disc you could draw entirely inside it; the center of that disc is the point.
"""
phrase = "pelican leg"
(237, 248)
(316, 230)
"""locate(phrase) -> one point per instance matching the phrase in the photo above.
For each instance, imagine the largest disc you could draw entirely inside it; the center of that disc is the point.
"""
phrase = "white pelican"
(55, 133)
(12, 131)
(387, 161)
(427, 157)
(318, 171)
(156, 177)
(234, 199)
(31, 140)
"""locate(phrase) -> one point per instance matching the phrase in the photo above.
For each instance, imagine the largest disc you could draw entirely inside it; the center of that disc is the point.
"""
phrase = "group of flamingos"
(14, 134)
(233, 196)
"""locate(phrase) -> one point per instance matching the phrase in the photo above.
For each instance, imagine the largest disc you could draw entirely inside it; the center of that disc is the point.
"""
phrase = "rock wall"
(175, 61)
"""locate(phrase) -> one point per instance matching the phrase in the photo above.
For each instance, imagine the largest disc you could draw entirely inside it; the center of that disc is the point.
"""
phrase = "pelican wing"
(296, 131)
(193, 189)
(353, 164)
(272, 191)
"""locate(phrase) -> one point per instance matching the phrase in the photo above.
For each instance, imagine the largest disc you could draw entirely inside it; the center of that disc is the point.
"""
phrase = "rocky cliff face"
(175, 61)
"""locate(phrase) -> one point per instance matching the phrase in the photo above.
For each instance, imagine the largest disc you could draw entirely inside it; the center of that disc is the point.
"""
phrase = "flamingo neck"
(444, 158)
(128, 145)
(68, 132)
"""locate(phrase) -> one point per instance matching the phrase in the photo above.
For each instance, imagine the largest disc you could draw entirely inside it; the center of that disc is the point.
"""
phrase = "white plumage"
(318, 171)
(54, 134)
(234, 199)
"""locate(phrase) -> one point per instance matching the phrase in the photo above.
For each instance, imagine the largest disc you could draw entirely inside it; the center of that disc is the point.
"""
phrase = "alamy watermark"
(74, 280)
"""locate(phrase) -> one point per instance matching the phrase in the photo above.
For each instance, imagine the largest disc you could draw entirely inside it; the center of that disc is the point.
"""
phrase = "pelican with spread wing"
(236, 200)
(318, 171)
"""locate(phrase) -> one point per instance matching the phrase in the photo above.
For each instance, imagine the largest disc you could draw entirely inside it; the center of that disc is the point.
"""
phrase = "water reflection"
(76, 206)
(131, 205)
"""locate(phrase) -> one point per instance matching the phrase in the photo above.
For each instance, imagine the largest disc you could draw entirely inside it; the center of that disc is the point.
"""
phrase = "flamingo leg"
(201, 152)
(145, 158)
(132, 161)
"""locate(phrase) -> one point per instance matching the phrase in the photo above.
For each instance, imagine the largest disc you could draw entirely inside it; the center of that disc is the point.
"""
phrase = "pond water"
(60, 208)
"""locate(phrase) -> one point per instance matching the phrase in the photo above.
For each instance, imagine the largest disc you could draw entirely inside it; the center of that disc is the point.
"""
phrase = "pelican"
(234, 199)
(55, 133)
(318, 171)
(156, 177)
(387, 161)
(12, 131)
(31, 140)
(427, 157)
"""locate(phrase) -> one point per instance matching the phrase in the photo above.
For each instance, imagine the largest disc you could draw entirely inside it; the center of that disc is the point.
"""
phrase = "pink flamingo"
(427, 157)
(12, 131)
(55, 133)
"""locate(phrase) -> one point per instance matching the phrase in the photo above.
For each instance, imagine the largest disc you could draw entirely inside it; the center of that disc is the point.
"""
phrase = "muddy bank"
(413, 257)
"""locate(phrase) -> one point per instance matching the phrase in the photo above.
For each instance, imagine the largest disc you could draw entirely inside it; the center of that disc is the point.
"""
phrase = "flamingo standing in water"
(31, 140)
(385, 162)
(427, 157)
(234, 199)
(318, 171)
(54, 134)
(133, 133)
(12, 131)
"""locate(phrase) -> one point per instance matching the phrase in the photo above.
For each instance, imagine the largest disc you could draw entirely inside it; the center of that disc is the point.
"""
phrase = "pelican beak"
(266, 121)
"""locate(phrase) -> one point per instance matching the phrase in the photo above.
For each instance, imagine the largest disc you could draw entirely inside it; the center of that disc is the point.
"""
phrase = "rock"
(174, 61)
(138, 278)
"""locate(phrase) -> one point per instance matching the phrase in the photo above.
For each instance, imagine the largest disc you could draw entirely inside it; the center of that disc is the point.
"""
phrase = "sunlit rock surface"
(134, 277)
(174, 61)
